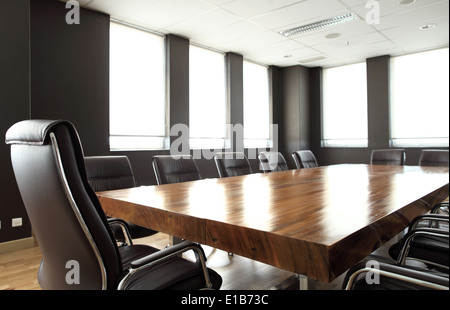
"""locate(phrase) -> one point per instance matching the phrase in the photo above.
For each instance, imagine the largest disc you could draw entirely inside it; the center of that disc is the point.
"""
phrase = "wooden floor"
(18, 269)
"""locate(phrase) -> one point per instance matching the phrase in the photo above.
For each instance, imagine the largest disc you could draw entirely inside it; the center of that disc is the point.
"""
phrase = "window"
(207, 99)
(137, 89)
(419, 99)
(256, 106)
(344, 110)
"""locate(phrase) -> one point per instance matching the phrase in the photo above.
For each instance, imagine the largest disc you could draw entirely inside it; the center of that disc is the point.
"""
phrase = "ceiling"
(251, 27)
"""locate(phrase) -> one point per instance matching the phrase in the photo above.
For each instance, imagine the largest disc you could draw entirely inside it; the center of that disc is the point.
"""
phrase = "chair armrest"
(433, 280)
(124, 226)
(428, 231)
(409, 237)
(431, 217)
(113, 220)
(440, 207)
(168, 253)
(165, 254)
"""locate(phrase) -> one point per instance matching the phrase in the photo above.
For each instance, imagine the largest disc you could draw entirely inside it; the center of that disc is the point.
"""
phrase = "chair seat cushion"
(174, 274)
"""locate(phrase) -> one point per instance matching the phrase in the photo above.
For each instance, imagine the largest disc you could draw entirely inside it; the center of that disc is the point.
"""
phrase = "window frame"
(412, 142)
(142, 142)
(259, 142)
(344, 142)
(197, 143)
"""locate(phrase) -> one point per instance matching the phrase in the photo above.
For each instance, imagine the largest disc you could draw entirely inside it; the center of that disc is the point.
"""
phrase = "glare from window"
(256, 106)
(207, 99)
(420, 99)
(137, 89)
(344, 108)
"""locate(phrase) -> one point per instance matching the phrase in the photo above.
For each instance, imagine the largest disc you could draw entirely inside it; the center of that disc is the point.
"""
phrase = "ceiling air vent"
(319, 25)
(311, 59)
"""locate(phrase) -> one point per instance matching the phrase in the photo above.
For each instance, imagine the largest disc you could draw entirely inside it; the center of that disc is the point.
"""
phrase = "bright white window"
(419, 99)
(344, 109)
(137, 89)
(207, 99)
(256, 106)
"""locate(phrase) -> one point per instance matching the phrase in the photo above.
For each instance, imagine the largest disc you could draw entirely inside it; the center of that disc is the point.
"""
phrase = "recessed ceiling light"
(319, 25)
(427, 26)
(333, 35)
(406, 2)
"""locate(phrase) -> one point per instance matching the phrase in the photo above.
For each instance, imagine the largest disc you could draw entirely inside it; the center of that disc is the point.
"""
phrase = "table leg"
(174, 240)
(303, 282)
(296, 282)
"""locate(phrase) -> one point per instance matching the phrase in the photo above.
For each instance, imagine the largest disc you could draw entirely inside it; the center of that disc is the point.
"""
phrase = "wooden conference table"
(316, 222)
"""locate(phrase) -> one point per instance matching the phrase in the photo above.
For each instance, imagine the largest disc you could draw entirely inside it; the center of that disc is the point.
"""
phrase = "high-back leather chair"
(388, 157)
(170, 169)
(77, 246)
(436, 158)
(272, 161)
(304, 159)
(109, 173)
(232, 164)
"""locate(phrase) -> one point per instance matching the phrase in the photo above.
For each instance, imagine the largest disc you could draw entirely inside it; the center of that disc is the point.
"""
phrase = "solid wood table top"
(317, 222)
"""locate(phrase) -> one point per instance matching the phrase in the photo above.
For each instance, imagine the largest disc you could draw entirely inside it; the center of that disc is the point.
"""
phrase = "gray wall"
(295, 112)
(14, 106)
(70, 71)
(50, 70)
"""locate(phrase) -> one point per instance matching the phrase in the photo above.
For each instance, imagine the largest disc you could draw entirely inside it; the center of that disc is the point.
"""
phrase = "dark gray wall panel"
(14, 107)
(70, 71)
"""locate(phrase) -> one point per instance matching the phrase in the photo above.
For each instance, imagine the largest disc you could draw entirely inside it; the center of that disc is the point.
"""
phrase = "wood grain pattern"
(317, 222)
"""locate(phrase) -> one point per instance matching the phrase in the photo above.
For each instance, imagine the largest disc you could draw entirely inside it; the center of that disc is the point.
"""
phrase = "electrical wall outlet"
(16, 222)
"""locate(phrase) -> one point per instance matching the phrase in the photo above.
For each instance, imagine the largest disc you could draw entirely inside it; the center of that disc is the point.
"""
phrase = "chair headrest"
(31, 131)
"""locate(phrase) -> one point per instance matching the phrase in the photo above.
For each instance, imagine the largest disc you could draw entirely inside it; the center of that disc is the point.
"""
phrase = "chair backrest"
(436, 158)
(66, 216)
(388, 157)
(109, 172)
(272, 161)
(178, 169)
(304, 159)
(232, 164)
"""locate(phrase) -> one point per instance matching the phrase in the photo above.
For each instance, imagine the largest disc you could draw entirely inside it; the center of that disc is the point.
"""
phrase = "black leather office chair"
(376, 274)
(109, 173)
(427, 241)
(170, 169)
(388, 157)
(71, 228)
(272, 161)
(435, 158)
(304, 159)
(232, 164)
